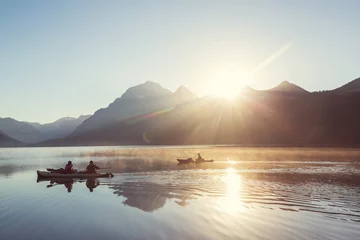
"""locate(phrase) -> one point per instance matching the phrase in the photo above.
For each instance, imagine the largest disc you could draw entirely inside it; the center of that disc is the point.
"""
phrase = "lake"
(247, 193)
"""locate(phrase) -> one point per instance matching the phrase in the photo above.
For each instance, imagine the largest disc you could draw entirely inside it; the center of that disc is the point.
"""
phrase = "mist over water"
(135, 159)
(247, 193)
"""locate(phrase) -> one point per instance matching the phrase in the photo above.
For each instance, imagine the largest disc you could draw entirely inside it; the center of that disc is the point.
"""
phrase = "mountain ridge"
(141, 99)
(145, 90)
(352, 86)
(6, 141)
(149, 111)
(259, 119)
(20, 131)
(33, 132)
(286, 86)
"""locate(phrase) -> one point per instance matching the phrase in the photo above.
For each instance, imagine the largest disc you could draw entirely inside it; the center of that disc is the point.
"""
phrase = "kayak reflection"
(91, 184)
(68, 183)
(145, 196)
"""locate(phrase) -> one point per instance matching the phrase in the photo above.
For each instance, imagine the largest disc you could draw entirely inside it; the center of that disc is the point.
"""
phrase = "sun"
(226, 81)
(227, 92)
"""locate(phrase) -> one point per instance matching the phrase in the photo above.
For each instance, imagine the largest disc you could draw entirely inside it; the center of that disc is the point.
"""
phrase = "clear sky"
(67, 58)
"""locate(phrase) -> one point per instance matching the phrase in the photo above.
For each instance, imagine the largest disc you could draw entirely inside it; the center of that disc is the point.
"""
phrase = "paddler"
(199, 158)
(69, 167)
(91, 168)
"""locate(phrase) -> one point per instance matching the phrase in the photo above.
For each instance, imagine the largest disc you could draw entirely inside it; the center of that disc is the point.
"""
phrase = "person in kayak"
(91, 168)
(68, 168)
(199, 158)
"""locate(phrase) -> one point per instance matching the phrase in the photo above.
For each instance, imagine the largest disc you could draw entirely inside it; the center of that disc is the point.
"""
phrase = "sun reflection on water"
(229, 161)
(231, 203)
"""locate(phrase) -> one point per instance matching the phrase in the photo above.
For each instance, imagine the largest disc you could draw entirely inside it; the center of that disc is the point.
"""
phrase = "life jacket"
(91, 168)
(68, 167)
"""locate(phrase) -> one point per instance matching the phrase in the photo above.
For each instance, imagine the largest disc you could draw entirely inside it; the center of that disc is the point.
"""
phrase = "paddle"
(111, 175)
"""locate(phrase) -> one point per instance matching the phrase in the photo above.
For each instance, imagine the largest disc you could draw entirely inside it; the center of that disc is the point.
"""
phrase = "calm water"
(245, 194)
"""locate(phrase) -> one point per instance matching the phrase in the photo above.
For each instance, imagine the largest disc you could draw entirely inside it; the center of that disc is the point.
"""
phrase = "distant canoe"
(45, 174)
(190, 160)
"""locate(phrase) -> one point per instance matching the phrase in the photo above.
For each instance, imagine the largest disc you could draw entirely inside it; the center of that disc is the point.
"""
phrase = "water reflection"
(90, 183)
(147, 197)
(231, 201)
(151, 196)
(67, 183)
(232, 191)
(280, 199)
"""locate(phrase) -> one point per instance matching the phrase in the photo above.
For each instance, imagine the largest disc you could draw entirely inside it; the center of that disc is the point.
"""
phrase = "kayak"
(190, 160)
(45, 174)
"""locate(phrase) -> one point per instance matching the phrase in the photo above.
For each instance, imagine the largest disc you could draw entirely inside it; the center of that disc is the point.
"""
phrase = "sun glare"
(232, 202)
(226, 92)
(226, 81)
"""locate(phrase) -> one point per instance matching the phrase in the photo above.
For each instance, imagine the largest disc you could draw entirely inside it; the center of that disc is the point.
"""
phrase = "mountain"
(6, 141)
(146, 98)
(35, 125)
(182, 94)
(20, 131)
(151, 114)
(288, 87)
(353, 86)
(30, 132)
(60, 128)
(146, 90)
(259, 119)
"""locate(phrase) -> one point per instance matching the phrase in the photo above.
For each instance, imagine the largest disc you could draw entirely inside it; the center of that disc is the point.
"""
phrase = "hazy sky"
(67, 58)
